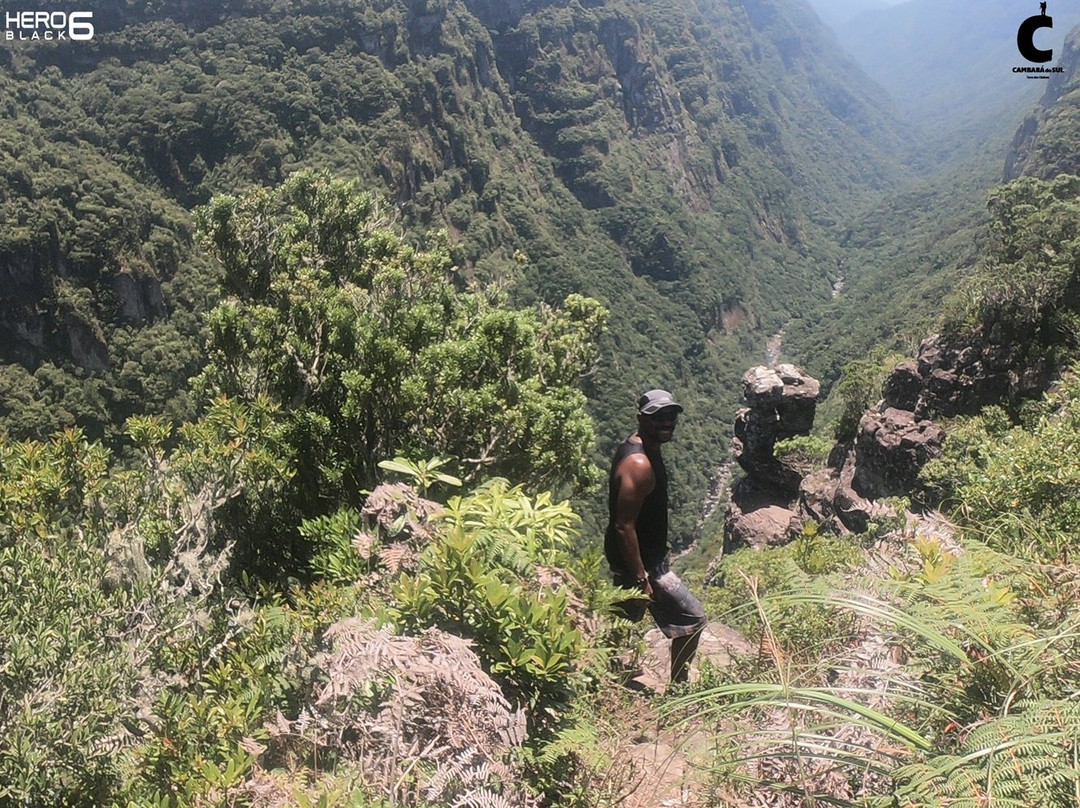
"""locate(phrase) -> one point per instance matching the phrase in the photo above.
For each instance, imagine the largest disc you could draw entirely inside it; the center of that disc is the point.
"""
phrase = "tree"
(374, 348)
(1028, 289)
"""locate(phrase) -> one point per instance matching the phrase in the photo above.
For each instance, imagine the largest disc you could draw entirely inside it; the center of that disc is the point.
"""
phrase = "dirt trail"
(671, 760)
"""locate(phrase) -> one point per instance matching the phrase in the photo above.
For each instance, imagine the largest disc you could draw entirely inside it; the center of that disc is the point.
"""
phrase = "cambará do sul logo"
(48, 25)
(1025, 43)
(1025, 36)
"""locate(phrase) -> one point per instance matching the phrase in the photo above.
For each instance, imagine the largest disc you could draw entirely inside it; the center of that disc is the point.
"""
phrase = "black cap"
(655, 400)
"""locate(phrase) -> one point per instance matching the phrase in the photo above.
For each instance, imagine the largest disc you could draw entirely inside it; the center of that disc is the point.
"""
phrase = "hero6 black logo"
(1025, 36)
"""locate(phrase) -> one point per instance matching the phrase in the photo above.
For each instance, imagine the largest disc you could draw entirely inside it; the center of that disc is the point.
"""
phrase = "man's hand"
(645, 585)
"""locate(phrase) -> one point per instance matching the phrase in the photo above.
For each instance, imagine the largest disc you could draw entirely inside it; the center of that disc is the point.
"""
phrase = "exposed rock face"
(759, 515)
(895, 439)
(780, 404)
(890, 449)
(86, 346)
(949, 379)
(497, 14)
(764, 527)
(646, 101)
(903, 386)
(140, 298)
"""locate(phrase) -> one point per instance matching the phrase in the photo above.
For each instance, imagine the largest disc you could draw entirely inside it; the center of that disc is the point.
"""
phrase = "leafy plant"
(423, 473)
(483, 578)
(817, 553)
(857, 390)
(374, 348)
(1009, 482)
(774, 576)
(812, 449)
(334, 556)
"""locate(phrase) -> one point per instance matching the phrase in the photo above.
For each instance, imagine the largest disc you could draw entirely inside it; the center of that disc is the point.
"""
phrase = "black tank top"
(652, 521)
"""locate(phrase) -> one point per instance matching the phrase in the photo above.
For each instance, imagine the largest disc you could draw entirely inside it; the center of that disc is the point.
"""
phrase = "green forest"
(319, 322)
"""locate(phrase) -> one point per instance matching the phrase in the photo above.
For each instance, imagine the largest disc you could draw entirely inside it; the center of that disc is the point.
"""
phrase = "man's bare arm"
(636, 482)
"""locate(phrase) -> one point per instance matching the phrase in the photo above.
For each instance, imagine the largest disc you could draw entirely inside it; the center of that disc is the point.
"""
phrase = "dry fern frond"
(483, 798)
(399, 557)
(396, 512)
(252, 747)
(470, 780)
(364, 543)
(391, 703)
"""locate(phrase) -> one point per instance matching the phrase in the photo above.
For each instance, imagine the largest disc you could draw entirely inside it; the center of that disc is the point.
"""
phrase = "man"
(636, 541)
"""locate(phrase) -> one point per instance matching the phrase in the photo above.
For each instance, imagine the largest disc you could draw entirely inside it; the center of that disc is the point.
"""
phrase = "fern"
(1029, 758)
(938, 704)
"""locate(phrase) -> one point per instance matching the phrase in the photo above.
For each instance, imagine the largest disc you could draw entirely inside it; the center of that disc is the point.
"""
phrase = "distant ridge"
(948, 63)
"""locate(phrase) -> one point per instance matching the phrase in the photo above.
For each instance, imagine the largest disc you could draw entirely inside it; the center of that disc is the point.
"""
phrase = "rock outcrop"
(895, 439)
(781, 402)
(891, 448)
(960, 378)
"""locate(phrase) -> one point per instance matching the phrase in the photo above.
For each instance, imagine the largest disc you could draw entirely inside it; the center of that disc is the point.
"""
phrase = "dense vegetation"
(372, 349)
(284, 454)
(175, 661)
(680, 163)
(925, 667)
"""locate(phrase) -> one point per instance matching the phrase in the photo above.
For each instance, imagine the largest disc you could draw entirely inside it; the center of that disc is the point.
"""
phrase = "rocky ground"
(672, 762)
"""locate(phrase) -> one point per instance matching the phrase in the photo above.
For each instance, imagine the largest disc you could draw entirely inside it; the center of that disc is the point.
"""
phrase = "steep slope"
(683, 162)
(900, 259)
(932, 236)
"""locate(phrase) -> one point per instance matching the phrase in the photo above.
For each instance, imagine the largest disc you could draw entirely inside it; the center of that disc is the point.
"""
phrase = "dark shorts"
(677, 612)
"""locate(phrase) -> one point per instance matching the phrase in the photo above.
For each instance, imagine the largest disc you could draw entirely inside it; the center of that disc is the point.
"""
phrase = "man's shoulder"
(635, 464)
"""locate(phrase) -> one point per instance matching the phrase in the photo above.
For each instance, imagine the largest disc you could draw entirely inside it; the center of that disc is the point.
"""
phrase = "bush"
(491, 576)
(109, 580)
(1013, 483)
(1028, 290)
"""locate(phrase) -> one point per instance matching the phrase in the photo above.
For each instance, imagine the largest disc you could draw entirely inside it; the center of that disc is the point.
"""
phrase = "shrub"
(485, 578)
(1016, 484)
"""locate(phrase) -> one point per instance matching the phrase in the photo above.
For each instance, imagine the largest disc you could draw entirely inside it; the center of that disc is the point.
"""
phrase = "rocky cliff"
(896, 438)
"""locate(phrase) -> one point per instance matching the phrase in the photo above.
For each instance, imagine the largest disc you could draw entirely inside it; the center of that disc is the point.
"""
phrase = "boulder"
(769, 526)
(781, 402)
(890, 449)
(817, 497)
(830, 499)
(853, 511)
(759, 515)
(785, 392)
(903, 386)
